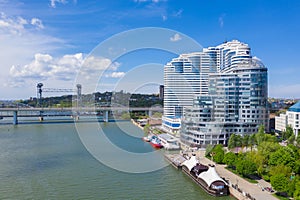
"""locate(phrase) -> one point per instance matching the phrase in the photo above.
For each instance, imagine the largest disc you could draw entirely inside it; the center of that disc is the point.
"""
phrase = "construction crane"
(40, 90)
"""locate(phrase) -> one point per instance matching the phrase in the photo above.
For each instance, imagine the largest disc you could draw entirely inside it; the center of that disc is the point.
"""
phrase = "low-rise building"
(290, 118)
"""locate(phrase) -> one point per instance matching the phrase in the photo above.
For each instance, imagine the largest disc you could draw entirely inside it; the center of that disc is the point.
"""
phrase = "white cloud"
(65, 68)
(13, 26)
(176, 37)
(164, 17)
(17, 25)
(115, 74)
(37, 22)
(54, 2)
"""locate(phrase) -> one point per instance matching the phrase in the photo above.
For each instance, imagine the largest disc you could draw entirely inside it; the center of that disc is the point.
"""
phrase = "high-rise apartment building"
(184, 78)
(232, 98)
(236, 101)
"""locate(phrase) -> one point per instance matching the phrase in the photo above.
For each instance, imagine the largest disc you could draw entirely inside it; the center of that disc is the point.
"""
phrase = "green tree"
(245, 167)
(291, 139)
(245, 141)
(208, 150)
(265, 149)
(234, 141)
(230, 159)
(287, 133)
(297, 189)
(252, 141)
(147, 129)
(261, 129)
(283, 156)
(280, 169)
(218, 154)
(279, 182)
(298, 140)
(157, 115)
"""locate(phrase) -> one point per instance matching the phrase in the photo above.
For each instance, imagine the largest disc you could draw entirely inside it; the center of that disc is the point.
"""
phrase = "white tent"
(190, 163)
(210, 176)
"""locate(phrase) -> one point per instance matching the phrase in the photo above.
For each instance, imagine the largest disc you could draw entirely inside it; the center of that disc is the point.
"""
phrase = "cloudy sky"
(104, 46)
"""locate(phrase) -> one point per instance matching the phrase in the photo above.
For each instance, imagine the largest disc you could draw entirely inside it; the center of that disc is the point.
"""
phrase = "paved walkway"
(254, 189)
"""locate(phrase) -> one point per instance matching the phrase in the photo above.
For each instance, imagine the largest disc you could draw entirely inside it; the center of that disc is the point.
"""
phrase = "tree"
(298, 140)
(208, 149)
(230, 159)
(218, 154)
(245, 167)
(287, 133)
(280, 169)
(297, 189)
(266, 148)
(279, 182)
(147, 128)
(291, 139)
(261, 129)
(157, 115)
(234, 141)
(245, 141)
(252, 141)
(283, 156)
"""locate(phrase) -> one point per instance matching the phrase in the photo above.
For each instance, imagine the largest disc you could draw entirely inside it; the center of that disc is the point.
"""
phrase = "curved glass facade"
(184, 78)
(236, 101)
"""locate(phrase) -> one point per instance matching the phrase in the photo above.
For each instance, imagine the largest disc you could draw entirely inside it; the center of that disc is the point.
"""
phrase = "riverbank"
(239, 187)
(137, 124)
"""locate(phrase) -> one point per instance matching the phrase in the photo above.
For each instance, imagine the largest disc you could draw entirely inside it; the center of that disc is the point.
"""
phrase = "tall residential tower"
(233, 97)
(184, 78)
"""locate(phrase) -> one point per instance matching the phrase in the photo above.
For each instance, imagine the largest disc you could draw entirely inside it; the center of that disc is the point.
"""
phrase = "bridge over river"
(74, 112)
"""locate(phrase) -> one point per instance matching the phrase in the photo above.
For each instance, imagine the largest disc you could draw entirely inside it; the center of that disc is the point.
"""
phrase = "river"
(49, 161)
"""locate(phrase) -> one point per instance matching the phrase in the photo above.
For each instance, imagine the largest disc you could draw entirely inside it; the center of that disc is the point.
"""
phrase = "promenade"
(254, 189)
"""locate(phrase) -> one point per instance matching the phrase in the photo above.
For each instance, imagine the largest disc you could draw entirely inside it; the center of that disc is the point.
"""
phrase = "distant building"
(290, 118)
(161, 91)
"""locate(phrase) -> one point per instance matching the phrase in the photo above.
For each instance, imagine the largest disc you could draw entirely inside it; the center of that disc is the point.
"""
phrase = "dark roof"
(295, 107)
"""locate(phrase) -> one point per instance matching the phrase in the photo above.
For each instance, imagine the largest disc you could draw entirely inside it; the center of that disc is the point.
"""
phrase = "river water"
(49, 161)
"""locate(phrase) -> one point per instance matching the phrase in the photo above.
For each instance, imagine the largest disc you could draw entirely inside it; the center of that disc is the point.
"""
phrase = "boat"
(155, 142)
(169, 142)
(206, 177)
(147, 138)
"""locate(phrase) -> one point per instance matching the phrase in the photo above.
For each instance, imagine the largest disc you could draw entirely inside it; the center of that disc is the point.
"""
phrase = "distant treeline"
(97, 99)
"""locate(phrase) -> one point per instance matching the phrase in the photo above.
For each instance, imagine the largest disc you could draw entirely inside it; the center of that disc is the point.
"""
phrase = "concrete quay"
(254, 189)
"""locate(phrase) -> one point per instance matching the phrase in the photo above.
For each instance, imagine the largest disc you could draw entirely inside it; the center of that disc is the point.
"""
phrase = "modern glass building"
(184, 78)
(236, 101)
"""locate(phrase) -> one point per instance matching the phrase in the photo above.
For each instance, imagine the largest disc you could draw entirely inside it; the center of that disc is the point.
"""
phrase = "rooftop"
(295, 107)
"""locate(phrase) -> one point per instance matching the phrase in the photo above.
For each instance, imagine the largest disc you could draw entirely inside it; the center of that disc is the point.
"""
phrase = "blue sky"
(48, 40)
